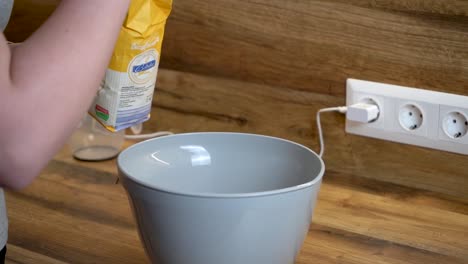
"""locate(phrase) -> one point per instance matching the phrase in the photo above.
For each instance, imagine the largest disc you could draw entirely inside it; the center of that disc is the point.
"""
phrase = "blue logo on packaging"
(144, 67)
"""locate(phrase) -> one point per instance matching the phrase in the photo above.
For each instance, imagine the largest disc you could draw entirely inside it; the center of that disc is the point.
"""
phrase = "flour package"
(126, 92)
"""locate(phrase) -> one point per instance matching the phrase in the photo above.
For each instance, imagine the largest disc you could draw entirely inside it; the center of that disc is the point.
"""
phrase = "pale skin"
(48, 82)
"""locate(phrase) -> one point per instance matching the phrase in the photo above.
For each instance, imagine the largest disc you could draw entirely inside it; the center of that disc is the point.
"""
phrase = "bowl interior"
(220, 163)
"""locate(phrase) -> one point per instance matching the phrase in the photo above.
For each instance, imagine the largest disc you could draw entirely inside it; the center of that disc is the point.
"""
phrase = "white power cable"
(147, 136)
(359, 112)
(341, 109)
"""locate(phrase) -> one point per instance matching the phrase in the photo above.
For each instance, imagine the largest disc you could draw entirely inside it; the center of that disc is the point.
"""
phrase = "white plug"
(363, 112)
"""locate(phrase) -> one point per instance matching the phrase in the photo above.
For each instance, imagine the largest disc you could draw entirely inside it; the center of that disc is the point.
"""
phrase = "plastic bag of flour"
(126, 93)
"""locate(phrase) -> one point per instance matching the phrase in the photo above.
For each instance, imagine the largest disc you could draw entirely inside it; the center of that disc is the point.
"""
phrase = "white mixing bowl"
(221, 198)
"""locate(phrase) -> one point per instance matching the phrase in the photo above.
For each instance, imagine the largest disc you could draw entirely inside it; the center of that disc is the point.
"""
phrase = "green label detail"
(101, 115)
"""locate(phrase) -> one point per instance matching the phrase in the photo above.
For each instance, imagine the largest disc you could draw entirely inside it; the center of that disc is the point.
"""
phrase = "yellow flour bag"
(127, 90)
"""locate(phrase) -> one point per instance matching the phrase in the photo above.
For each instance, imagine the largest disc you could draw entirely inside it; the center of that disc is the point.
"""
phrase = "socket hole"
(455, 125)
(410, 117)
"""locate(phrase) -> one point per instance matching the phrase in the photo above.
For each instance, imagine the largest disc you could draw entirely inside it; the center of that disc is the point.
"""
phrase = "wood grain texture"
(27, 16)
(427, 7)
(315, 45)
(311, 45)
(19, 255)
(74, 213)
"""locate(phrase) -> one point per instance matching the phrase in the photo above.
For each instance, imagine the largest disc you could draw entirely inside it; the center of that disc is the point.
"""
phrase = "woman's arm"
(48, 82)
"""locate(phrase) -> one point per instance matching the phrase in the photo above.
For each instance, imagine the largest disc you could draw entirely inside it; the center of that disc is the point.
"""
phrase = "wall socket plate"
(412, 116)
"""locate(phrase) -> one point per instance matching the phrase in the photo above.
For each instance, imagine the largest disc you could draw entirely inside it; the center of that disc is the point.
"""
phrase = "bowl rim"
(124, 173)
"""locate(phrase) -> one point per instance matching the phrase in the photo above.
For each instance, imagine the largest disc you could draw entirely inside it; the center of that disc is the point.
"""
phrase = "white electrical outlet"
(411, 116)
(453, 124)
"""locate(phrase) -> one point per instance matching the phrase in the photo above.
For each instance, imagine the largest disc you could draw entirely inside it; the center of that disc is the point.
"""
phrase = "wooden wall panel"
(436, 7)
(315, 45)
(27, 16)
(309, 45)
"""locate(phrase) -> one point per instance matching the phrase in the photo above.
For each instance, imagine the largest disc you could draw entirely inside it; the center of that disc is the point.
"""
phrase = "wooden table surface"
(75, 213)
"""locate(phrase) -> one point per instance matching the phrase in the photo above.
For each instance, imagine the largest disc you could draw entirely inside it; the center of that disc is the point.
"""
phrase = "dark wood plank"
(308, 45)
(316, 45)
(413, 225)
(19, 255)
(27, 16)
(66, 238)
(326, 245)
(76, 215)
(427, 7)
